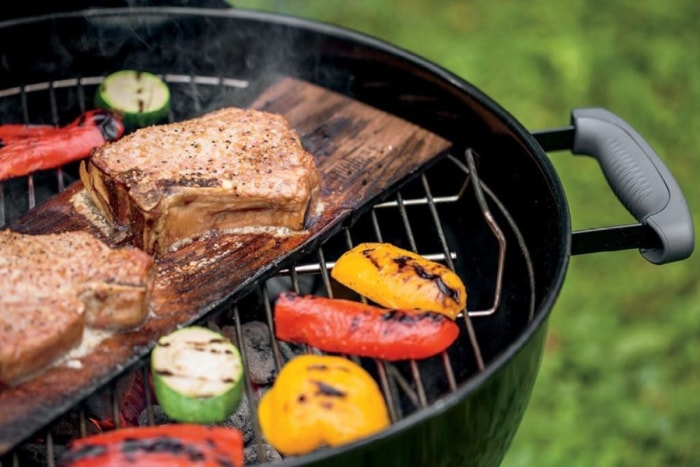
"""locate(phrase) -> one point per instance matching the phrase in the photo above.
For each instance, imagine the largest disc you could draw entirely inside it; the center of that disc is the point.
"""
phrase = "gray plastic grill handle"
(639, 178)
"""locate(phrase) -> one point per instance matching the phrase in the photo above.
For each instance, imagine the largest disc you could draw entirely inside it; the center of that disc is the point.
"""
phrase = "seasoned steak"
(54, 285)
(229, 169)
(36, 331)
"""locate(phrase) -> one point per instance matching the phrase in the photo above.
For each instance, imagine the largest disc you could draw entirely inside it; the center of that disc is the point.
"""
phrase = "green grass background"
(620, 383)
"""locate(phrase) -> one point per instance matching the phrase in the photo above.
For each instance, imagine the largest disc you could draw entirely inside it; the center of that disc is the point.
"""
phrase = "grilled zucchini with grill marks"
(197, 375)
(141, 98)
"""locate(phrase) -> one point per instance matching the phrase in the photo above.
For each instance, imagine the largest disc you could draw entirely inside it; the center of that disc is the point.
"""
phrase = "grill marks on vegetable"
(142, 98)
(172, 444)
(208, 347)
(321, 400)
(327, 390)
(133, 447)
(197, 375)
(87, 451)
(412, 319)
(141, 102)
(395, 278)
(354, 328)
(324, 389)
(367, 253)
(406, 262)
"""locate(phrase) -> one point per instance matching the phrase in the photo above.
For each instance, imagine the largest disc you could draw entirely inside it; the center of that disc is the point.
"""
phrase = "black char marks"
(405, 261)
(88, 451)
(367, 253)
(410, 319)
(324, 389)
(164, 444)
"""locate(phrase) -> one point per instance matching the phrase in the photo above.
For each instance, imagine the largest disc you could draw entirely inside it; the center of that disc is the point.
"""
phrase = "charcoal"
(252, 456)
(35, 454)
(289, 351)
(259, 356)
(257, 346)
(159, 416)
(241, 420)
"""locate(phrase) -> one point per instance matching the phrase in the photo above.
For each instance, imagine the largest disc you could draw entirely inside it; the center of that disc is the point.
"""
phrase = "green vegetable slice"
(197, 375)
(139, 97)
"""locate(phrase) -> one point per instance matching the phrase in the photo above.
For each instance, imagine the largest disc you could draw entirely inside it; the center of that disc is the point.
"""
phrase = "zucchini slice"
(139, 97)
(197, 375)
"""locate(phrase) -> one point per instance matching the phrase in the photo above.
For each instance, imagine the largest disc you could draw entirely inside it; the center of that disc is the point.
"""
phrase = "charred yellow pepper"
(396, 278)
(320, 400)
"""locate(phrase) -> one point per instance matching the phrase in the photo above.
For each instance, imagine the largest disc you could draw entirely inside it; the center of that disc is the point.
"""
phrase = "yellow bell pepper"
(396, 278)
(320, 400)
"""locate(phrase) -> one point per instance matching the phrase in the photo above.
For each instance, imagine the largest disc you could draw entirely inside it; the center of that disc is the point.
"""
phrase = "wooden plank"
(362, 153)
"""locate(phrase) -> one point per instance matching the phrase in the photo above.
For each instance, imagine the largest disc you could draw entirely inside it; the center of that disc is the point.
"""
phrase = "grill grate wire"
(405, 391)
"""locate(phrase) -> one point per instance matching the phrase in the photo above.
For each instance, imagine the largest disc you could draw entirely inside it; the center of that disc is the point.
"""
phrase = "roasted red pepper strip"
(355, 328)
(164, 445)
(10, 132)
(49, 149)
(14, 131)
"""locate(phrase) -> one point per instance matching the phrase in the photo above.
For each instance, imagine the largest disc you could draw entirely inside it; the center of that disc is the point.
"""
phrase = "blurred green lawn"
(619, 383)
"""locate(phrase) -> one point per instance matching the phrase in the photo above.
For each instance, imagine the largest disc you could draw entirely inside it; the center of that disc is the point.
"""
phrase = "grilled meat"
(229, 169)
(35, 331)
(54, 285)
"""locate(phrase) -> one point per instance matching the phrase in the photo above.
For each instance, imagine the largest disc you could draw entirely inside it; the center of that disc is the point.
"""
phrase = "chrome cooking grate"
(408, 219)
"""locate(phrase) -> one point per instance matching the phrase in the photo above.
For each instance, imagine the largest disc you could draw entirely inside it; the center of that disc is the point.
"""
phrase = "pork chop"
(229, 169)
(54, 285)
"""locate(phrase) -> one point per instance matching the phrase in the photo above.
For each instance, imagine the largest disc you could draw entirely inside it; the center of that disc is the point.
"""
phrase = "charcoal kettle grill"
(493, 209)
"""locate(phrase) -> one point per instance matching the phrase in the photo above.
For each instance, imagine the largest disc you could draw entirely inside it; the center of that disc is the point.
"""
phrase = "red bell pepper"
(14, 131)
(355, 328)
(26, 150)
(163, 445)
